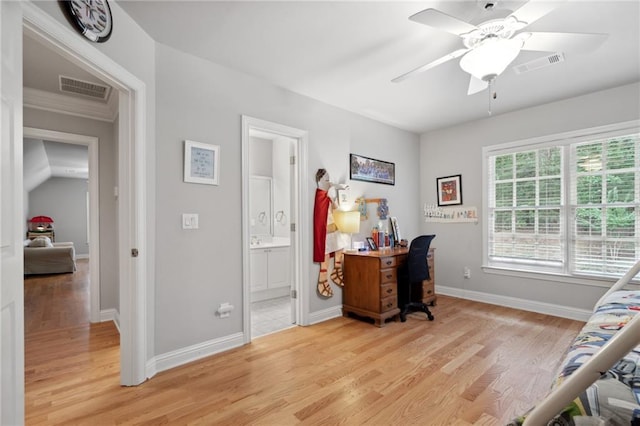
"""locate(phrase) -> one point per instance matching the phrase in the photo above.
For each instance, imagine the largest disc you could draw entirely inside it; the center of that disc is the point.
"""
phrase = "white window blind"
(569, 205)
(605, 205)
(526, 207)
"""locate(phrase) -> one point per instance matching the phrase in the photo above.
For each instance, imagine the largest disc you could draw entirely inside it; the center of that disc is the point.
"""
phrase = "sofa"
(45, 257)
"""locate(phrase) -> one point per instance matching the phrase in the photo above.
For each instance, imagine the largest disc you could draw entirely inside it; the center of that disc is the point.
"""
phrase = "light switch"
(189, 221)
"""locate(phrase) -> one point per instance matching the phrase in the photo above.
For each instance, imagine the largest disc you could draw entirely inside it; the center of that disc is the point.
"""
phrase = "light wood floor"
(475, 364)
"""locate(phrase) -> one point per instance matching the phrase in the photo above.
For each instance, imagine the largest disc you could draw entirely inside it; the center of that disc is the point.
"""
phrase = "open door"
(11, 220)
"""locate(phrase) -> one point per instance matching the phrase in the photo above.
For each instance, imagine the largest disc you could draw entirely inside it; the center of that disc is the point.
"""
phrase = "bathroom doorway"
(271, 174)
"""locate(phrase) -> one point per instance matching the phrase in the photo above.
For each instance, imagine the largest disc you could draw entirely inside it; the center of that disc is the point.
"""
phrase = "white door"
(11, 220)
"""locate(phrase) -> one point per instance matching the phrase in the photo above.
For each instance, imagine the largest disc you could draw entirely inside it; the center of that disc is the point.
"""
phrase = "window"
(569, 205)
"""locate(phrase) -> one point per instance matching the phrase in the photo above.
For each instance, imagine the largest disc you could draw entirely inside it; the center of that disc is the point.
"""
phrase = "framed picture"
(372, 244)
(201, 163)
(344, 197)
(449, 190)
(395, 231)
(370, 170)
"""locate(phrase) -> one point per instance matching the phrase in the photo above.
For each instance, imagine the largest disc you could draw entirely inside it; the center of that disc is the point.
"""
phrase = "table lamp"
(347, 222)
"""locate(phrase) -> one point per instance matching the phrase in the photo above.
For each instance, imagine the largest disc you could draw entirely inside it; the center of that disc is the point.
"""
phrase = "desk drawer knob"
(389, 262)
(389, 276)
(389, 290)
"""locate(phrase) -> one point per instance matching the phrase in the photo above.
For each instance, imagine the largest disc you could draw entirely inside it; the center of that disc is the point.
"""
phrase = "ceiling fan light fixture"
(491, 58)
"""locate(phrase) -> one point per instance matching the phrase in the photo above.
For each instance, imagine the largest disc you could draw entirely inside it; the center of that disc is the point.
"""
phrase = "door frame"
(91, 142)
(299, 218)
(132, 186)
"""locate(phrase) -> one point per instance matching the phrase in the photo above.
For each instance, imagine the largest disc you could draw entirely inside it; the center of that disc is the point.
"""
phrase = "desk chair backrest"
(417, 259)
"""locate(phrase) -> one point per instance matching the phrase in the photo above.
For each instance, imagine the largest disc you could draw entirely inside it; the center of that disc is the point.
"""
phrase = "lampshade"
(41, 219)
(347, 222)
(491, 58)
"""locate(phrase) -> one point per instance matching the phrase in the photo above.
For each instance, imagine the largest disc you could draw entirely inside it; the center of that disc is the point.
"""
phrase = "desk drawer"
(388, 262)
(387, 290)
(388, 276)
(428, 289)
(388, 303)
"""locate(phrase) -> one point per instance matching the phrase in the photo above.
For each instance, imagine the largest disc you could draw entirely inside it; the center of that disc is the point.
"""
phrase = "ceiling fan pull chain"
(491, 95)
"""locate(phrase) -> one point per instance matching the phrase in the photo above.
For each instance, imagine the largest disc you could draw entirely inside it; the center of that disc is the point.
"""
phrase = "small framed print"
(344, 197)
(372, 244)
(201, 163)
(449, 190)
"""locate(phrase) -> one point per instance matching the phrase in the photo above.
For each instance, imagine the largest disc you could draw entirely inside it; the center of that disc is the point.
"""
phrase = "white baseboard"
(325, 314)
(192, 353)
(110, 315)
(82, 256)
(516, 303)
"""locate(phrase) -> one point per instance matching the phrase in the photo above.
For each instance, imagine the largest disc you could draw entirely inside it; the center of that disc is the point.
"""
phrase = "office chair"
(411, 277)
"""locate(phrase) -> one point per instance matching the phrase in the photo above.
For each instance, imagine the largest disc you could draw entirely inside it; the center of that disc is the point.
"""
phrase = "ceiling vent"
(85, 88)
(552, 59)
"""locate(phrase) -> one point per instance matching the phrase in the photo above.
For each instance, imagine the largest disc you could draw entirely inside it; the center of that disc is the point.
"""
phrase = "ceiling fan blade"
(476, 85)
(445, 58)
(563, 42)
(436, 19)
(533, 10)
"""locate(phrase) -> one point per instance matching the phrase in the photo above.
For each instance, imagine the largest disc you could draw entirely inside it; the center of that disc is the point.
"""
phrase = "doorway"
(273, 195)
(270, 206)
(131, 186)
(93, 205)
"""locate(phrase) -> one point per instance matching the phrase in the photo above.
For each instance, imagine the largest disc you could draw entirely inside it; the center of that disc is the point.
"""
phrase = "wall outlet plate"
(189, 221)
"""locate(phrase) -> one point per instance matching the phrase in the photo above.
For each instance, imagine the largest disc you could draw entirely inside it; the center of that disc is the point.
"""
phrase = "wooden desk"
(371, 283)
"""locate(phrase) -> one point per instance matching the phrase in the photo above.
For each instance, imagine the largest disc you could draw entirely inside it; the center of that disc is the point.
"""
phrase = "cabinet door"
(258, 271)
(279, 267)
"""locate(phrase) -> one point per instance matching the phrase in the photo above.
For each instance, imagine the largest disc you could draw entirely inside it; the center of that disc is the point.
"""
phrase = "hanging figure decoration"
(328, 241)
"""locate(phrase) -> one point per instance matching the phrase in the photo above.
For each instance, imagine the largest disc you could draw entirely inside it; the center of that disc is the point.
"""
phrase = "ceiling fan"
(493, 44)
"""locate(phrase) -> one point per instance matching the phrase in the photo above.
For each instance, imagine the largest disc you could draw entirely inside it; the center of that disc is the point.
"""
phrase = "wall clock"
(92, 18)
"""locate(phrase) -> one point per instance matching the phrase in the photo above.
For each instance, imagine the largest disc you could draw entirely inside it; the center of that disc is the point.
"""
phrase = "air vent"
(86, 88)
(553, 59)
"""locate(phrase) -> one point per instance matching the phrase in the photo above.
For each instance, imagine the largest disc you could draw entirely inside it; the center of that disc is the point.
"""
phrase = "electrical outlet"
(467, 272)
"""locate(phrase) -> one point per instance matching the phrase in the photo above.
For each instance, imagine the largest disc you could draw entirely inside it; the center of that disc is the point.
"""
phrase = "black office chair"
(410, 277)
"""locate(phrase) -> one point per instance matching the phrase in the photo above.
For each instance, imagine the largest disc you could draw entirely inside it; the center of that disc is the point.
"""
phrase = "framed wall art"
(449, 190)
(371, 170)
(201, 163)
(372, 244)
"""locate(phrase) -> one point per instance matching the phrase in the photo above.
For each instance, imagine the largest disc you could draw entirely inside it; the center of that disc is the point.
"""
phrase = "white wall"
(458, 150)
(64, 200)
(108, 174)
(198, 270)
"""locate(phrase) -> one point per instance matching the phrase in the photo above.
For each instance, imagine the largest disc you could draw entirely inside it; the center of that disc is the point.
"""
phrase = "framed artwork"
(395, 231)
(372, 244)
(449, 190)
(370, 170)
(344, 197)
(201, 163)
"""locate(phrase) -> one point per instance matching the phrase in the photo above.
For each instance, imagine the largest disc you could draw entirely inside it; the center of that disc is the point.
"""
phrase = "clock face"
(92, 18)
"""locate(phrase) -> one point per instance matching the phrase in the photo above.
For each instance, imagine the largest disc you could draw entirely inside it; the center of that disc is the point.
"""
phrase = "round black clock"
(92, 18)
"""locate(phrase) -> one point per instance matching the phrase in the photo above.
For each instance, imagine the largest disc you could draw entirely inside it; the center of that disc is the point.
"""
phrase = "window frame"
(564, 140)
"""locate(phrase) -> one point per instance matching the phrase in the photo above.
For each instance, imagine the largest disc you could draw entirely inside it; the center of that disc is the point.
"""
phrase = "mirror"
(261, 206)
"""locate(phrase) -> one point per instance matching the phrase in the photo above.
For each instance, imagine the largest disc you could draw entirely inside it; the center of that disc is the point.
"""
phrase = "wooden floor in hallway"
(476, 364)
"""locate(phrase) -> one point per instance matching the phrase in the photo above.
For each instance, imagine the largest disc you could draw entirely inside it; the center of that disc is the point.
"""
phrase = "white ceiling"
(346, 53)
(46, 159)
